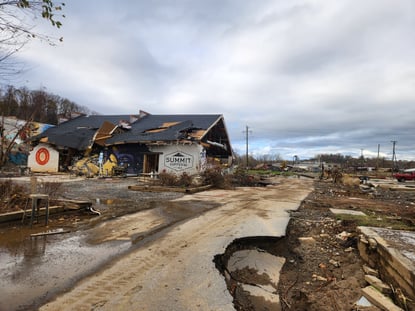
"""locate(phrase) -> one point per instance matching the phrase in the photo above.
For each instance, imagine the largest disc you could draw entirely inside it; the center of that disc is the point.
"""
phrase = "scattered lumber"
(49, 233)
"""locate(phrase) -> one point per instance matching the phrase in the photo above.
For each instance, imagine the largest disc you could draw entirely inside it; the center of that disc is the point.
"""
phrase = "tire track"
(114, 287)
(100, 287)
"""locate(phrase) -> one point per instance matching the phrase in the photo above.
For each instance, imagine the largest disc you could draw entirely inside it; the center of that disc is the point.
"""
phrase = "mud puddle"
(41, 267)
(251, 268)
(35, 269)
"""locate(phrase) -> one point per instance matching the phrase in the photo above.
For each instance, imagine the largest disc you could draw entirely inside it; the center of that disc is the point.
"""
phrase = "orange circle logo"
(42, 156)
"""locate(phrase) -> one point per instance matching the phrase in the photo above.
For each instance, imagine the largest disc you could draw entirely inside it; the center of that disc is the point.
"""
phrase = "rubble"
(369, 271)
(378, 284)
(380, 300)
(323, 269)
(327, 272)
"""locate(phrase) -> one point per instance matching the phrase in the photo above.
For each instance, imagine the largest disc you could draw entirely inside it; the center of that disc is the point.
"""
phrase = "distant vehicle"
(405, 175)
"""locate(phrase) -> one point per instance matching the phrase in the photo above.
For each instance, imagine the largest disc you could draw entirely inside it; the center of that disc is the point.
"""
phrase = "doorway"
(151, 163)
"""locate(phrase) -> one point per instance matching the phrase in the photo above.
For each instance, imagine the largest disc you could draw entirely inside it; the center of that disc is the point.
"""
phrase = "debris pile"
(12, 196)
(324, 270)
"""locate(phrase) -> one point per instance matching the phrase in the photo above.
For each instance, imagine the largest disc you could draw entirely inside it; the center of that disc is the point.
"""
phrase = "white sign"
(178, 161)
(43, 158)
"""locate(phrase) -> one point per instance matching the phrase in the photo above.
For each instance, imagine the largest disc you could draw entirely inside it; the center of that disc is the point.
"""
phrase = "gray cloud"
(306, 76)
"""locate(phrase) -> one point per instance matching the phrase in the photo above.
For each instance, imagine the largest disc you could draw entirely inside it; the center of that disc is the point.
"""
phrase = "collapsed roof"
(77, 133)
(106, 130)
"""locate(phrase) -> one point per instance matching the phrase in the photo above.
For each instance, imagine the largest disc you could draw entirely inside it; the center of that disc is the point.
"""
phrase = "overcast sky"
(307, 77)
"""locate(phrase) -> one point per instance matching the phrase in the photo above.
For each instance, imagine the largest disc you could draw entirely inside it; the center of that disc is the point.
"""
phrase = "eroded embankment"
(251, 269)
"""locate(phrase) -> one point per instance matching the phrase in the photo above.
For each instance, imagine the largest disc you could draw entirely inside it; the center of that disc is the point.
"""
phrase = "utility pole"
(361, 157)
(394, 161)
(1, 138)
(377, 159)
(247, 131)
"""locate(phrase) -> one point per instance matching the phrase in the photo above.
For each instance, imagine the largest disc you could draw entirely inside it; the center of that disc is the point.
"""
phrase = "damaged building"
(143, 143)
(14, 133)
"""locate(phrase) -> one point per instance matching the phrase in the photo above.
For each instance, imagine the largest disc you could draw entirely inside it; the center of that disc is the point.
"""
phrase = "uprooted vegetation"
(213, 176)
(171, 180)
(14, 196)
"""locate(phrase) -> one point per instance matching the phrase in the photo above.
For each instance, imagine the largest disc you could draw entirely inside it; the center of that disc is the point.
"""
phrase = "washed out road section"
(174, 269)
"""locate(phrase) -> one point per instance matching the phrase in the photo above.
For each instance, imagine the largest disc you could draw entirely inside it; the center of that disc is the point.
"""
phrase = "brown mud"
(324, 271)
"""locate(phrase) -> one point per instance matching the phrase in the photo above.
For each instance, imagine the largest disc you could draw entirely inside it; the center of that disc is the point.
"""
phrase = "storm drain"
(251, 268)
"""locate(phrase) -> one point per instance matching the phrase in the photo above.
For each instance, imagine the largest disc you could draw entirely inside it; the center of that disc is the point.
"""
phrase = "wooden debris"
(49, 233)
(378, 284)
(379, 300)
(370, 271)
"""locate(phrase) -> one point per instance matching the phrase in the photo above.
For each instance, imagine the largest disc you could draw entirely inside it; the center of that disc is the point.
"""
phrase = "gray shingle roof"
(165, 128)
(78, 133)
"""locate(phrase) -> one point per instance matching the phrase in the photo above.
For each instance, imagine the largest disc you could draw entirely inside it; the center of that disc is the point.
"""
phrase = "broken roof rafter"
(170, 143)
(147, 129)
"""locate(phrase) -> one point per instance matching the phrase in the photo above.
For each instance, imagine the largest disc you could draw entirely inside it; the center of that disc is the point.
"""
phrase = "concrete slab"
(261, 262)
(265, 267)
(402, 241)
(346, 212)
(395, 254)
(402, 188)
(272, 300)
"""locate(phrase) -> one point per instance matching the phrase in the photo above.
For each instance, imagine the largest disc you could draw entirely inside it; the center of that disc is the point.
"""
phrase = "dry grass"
(377, 221)
(12, 196)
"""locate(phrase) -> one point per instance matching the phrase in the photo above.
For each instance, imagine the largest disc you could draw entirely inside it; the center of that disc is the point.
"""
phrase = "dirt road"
(173, 268)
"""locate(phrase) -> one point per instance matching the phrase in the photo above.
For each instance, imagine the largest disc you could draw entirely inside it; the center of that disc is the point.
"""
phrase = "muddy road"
(146, 251)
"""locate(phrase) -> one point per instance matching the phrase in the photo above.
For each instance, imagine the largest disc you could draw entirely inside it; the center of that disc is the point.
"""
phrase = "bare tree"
(27, 106)
(17, 28)
(6, 144)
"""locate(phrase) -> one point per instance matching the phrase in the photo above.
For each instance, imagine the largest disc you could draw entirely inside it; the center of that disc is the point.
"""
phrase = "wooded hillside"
(37, 105)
